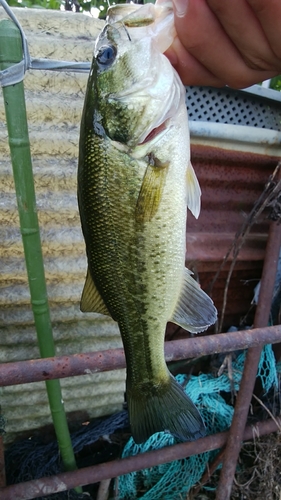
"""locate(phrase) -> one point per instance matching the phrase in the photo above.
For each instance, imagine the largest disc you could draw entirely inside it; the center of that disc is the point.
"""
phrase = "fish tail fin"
(165, 408)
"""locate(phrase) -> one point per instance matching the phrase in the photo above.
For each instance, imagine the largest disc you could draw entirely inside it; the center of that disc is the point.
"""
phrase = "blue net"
(173, 481)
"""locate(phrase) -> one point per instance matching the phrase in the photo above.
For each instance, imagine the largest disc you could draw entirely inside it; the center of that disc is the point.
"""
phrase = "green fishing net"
(173, 481)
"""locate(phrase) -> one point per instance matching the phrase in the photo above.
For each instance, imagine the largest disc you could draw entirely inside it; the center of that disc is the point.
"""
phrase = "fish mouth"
(154, 133)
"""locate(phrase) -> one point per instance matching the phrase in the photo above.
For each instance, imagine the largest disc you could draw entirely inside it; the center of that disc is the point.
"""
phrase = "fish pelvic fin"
(166, 408)
(195, 310)
(151, 190)
(91, 301)
(193, 191)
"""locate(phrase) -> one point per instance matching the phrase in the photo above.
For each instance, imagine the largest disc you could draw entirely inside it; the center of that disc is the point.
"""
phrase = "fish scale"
(126, 307)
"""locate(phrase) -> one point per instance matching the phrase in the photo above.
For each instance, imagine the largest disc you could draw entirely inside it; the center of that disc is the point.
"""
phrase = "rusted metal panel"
(231, 183)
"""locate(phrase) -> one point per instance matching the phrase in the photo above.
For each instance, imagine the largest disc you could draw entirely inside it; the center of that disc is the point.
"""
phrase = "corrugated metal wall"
(54, 104)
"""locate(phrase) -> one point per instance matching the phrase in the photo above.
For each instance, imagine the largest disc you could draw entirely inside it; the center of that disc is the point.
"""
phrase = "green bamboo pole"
(11, 53)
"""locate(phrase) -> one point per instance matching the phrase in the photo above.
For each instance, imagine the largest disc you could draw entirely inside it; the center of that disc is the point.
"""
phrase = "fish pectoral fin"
(151, 189)
(91, 301)
(193, 191)
(195, 310)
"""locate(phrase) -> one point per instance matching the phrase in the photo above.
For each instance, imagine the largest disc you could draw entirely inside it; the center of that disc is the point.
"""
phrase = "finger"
(269, 14)
(205, 39)
(190, 70)
(244, 29)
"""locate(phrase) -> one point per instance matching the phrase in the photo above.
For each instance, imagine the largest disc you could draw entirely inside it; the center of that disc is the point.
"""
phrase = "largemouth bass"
(135, 182)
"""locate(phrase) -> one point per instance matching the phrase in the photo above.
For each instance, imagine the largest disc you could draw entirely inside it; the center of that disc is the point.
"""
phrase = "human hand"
(226, 42)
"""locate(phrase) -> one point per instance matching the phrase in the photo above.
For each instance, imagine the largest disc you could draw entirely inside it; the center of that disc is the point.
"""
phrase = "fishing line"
(127, 32)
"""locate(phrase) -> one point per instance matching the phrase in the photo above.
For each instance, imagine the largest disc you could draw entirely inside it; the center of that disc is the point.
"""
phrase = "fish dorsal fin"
(91, 300)
(195, 310)
(193, 191)
(151, 190)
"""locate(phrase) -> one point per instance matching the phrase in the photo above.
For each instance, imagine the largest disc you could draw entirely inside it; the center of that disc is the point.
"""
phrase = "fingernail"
(180, 7)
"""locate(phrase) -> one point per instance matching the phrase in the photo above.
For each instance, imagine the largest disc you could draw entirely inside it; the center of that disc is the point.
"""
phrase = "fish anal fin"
(91, 301)
(195, 310)
(151, 189)
(165, 408)
(193, 191)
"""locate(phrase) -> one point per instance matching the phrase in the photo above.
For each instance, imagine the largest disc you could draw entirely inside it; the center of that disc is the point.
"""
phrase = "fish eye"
(106, 55)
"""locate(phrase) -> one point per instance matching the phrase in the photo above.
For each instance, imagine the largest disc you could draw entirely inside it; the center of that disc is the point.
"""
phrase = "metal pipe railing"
(247, 384)
(35, 370)
(89, 475)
